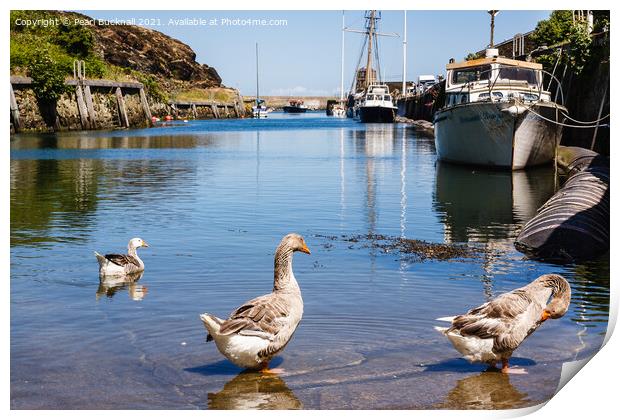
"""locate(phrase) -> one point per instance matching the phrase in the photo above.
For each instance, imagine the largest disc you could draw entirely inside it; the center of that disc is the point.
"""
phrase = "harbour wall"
(102, 104)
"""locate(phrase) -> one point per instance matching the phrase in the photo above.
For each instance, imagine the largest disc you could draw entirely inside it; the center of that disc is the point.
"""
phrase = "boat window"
(517, 73)
(471, 74)
(387, 98)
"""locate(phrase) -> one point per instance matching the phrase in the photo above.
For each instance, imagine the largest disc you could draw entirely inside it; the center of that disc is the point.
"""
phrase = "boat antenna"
(492, 13)
(404, 54)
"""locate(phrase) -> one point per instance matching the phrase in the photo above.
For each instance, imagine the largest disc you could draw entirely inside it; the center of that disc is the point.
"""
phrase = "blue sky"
(302, 58)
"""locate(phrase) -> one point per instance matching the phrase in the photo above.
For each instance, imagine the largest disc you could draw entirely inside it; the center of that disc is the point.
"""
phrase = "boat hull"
(503, 135)
(376, 114)
(294, 110)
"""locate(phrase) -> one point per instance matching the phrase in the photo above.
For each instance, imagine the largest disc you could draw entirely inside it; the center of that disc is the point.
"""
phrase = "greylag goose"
(492, 331)
(121, 265)
(260, 329)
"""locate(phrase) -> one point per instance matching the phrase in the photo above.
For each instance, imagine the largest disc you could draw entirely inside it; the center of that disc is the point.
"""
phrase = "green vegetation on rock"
(562, 27)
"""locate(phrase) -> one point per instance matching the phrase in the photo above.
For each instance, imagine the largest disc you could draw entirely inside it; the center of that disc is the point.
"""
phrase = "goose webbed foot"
(508, 370)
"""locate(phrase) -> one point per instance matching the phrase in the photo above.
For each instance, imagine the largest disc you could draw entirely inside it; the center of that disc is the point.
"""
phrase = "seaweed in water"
(412, 248)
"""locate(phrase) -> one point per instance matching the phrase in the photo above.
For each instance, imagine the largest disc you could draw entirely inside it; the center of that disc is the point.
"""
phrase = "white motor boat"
(376, 105)
(497, 114)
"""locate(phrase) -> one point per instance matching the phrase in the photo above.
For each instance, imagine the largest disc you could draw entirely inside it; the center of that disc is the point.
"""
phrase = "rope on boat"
(587, 122)
(559, 123)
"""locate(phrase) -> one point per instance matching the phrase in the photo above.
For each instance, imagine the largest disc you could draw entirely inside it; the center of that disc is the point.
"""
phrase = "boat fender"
(515, 110)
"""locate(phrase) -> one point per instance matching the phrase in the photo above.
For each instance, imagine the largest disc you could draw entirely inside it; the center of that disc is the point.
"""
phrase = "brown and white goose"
(119, 264)
(260, 329)
(492, 331)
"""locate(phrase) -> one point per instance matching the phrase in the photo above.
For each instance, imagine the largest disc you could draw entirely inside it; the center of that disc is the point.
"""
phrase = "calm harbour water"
(213, 199)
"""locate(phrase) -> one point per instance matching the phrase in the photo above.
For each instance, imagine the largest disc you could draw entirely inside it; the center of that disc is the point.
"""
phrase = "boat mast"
(492, 13)
(405, 55)
(342, 62)
(257, 97)
(371, 29)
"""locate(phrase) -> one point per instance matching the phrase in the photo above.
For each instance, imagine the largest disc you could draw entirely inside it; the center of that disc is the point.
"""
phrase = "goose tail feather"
(100, 258)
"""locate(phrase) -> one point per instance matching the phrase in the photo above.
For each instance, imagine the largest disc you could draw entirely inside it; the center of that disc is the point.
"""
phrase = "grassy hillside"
(46, 52)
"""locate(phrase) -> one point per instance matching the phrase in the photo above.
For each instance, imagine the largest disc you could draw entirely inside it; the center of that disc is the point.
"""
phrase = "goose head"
(294, 242)
(560, 298)
(136, 243)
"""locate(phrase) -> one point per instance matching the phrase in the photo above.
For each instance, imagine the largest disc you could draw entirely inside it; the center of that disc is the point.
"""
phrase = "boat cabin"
(378, 93)
(494, 79)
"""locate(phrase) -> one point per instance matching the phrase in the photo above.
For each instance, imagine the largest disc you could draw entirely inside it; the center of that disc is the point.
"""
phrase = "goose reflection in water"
(254, 391)
(486, 391)
(108, 286)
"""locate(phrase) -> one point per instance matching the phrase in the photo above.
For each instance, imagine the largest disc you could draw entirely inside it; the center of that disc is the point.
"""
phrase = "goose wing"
(261, 316)
(508, 320)
(122, 260)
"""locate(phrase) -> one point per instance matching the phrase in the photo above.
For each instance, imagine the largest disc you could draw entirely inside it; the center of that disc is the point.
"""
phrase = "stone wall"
(38, 116)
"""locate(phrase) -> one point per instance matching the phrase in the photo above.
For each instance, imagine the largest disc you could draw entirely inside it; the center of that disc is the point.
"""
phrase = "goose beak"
(144, 244)
(545, 315)
(305, 249)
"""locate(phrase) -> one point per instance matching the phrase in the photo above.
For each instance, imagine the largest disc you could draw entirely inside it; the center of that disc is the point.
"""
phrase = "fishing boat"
(295, 106)
(377, 105)
(370, 100)
(497, 114)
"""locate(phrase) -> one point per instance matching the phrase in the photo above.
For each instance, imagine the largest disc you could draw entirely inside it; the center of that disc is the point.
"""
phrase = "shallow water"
(213, 199)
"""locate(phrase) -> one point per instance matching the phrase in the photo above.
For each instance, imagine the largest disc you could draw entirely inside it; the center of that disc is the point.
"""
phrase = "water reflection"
(94, 141)
(254, 391)
(589, 302)
(45, 191)
(485, 391)
(65, 194)
(483, 205)
(374, 143)
(109, 286)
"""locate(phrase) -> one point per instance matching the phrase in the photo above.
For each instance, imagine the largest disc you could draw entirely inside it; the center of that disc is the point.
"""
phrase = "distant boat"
(295, 106)
(259, 110)
(339, 110)
(371, 101)
(377, 105)
(497, 114)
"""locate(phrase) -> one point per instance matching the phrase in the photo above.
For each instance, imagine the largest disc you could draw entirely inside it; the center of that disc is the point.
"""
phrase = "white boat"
(370, 100)
(338, 111)
(497, 114)
(376, 105)
(260, 111)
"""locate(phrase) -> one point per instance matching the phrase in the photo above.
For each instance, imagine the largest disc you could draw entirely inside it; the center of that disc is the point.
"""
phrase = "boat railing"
(509, 82)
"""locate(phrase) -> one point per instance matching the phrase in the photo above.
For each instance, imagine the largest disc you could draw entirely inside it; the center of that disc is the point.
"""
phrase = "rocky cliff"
(152, 52)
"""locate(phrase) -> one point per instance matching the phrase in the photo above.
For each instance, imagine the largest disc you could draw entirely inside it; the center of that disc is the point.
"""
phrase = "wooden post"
(236, 108)
(226, 111)
(14, 111)
(90, 108)
(145, 107)
(82, 107)
(122, 112)
(216, 114)
(194, 113)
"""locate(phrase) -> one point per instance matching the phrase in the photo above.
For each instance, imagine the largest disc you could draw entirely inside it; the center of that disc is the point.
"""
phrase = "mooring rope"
(557, 122)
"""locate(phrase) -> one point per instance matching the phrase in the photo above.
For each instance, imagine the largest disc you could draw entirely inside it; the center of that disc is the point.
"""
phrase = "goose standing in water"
(260, 329)
(492, 331)
(121, 265)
